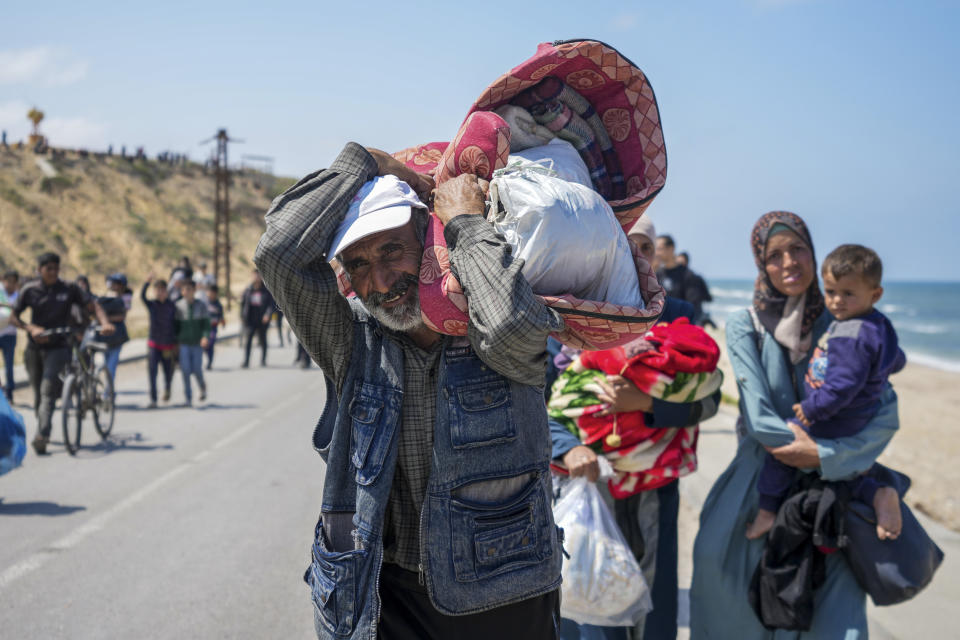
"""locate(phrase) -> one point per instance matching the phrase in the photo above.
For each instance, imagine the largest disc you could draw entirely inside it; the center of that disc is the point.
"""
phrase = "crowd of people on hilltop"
(185, 314)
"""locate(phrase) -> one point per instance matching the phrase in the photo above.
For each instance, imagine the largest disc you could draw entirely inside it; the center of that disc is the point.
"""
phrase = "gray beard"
(401, 318)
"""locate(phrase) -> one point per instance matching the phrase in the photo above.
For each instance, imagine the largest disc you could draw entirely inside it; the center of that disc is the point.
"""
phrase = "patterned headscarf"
(775, 309)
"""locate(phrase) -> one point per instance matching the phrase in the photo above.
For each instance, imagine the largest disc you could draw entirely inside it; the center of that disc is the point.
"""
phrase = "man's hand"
(204, 342)
(458, 196)
(151, 276)
(387, 165)
(107, 329)
(802, 453)
(622, 396)
(37, 334)
(267, 318)
(582, 461)
(801, 417)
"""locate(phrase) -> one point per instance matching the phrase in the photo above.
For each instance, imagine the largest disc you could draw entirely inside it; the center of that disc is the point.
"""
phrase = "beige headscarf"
(643, 227)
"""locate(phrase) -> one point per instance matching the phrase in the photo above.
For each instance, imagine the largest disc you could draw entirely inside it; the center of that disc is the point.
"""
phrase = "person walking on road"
(50, 300)
(217, 320)
(115, 304)
(193, 326)
(648, 517)
(256, 309)
(183, 271)
(203, 279)
(8, 334)
(435, 520)
(769, 346)
(162, 340)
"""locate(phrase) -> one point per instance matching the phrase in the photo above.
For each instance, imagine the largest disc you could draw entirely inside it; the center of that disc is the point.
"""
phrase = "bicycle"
(86, 387)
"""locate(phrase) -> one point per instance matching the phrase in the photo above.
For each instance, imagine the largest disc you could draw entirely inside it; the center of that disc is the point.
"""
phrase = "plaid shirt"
(508, 326)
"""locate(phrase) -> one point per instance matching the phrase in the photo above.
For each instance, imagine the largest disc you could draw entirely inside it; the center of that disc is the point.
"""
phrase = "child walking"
(162, 340)
(193, 325)
(847, 373)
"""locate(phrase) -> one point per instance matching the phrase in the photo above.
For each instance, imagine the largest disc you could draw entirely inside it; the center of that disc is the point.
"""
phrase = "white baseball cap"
(383, 203)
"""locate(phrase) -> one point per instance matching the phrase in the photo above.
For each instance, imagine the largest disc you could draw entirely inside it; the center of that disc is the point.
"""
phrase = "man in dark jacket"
(678, 280)
(50, 300)
(256, 309)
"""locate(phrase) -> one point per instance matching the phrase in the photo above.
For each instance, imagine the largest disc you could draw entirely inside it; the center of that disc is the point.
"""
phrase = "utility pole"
(221, 220)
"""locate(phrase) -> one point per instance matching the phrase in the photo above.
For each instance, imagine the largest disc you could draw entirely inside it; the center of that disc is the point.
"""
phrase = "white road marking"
(36, 560)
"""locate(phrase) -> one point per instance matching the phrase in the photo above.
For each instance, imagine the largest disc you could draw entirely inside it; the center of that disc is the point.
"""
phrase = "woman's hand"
(801, 416)
(621, 396)
(582, 461)
(802, 453)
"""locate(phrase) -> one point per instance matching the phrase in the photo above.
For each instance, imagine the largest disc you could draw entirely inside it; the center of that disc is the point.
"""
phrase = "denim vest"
(487, 535)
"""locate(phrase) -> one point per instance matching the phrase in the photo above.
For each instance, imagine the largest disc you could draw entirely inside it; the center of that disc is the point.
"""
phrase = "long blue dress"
(723, 559)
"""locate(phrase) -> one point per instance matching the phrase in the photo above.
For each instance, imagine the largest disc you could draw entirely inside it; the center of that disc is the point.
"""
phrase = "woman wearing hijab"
(769, 346)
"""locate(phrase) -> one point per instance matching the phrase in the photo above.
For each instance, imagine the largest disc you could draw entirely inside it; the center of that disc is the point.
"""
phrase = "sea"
(926, 316)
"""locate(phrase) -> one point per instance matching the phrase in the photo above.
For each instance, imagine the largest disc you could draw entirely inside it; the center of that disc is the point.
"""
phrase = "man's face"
(10, 284)
(384, 270)
(160, 292)
(664, 252)
(189, 291)
(256, 279)
(49, 273)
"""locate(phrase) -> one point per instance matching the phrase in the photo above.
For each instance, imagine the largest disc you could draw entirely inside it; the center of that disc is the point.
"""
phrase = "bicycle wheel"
(71, 407)
(103, 401)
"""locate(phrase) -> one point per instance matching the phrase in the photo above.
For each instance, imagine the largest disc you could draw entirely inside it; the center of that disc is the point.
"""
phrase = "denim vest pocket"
(332, 578)
(493, 539)
(481, 414)
(374, 420)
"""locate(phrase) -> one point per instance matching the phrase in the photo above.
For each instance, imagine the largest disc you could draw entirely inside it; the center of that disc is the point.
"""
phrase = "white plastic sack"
(559, 155)
(567, 235)
(5, 314)
(602, 581)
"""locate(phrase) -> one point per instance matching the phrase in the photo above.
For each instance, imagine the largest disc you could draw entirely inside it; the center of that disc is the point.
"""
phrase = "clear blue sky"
(844, 111)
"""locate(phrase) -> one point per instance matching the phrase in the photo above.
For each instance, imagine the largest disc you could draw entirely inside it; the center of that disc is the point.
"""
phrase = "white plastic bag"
(563, 158)
(602, 581)
(567, 235)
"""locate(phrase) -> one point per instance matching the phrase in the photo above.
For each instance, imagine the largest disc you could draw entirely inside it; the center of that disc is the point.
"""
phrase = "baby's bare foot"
(886, 504)
(761, 524)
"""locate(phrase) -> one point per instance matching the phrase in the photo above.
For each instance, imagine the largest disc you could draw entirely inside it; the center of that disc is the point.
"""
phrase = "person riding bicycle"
(50, 300)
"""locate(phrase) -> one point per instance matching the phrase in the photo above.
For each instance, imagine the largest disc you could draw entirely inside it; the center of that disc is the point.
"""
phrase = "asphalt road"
(187, 523)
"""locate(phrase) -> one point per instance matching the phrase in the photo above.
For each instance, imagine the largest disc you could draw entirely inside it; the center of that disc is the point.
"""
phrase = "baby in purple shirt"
(847, 373)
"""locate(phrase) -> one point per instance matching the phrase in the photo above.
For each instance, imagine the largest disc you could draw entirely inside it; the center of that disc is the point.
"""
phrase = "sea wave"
(897, 308)
(740, 294)
(934, 362)
(726, 309)
(926, 329)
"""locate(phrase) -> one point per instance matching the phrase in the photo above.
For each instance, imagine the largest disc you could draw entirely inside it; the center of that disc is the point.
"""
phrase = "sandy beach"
(925, 448)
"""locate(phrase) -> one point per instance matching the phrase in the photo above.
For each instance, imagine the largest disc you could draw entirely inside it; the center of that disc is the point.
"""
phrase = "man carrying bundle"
(436, 518)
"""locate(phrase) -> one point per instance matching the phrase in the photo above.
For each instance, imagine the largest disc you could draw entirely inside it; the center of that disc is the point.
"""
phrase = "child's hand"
(798, 411)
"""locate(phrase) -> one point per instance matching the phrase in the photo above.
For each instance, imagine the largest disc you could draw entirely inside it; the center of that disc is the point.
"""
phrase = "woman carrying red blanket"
(647, 502)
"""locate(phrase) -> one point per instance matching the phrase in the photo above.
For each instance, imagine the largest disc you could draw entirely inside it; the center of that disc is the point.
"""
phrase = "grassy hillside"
(109, 214)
